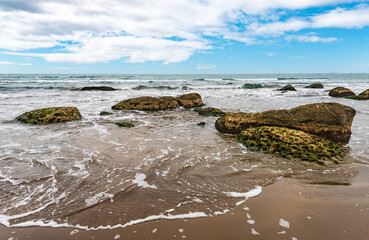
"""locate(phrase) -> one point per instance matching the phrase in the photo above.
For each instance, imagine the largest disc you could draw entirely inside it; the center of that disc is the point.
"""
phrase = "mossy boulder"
(190, 100)
(365, 93)
(215, 112)
(147, 104)
(252, 85)
(50, 115)
(289, 143)
(341, 92)
(287, 88)
(315, 85)
(329, 120)
(104, 113)
(98, 88)
(124, 124)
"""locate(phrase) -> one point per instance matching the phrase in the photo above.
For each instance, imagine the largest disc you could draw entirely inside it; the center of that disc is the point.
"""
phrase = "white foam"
(154, 230)
(284, 223)
(254, 232)
(117, 236)
(251, 221)
(252, 193)
(139, 180)
(282, 233)
(74, 231)
(98, 198)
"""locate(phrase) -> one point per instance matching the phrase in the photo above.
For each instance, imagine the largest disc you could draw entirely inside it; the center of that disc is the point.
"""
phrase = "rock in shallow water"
(215, 112)
(190, 100)
(287, 88)
(289, 143)
(315, 85)
(50, 115)
(329, 120)
(98, 88)
(341, 92)
(124, 124)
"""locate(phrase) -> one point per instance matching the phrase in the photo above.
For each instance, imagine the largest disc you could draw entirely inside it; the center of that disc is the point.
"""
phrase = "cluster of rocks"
(347, 93)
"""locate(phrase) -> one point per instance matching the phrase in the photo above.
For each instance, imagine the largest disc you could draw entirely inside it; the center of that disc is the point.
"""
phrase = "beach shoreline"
(310, 211)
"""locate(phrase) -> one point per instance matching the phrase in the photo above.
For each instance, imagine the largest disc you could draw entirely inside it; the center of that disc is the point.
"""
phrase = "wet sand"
(312, 211)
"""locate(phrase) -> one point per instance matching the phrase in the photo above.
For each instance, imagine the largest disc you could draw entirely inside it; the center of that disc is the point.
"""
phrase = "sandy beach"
(308, 211)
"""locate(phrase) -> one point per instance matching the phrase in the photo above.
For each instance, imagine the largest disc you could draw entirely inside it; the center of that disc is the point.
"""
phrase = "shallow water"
(92, 173)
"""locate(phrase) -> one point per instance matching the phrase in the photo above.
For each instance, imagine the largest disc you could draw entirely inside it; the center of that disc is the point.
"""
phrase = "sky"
(184, 36)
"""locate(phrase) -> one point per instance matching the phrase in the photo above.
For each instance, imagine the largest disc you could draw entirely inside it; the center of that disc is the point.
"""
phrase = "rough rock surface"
(147, 104)
(50, 115)
(124, 124)
(190, 100)
(341, 92)
(98, 88)
(289, 143)
(329, 120)
(210, 112)
(315, 85)
(287, 88)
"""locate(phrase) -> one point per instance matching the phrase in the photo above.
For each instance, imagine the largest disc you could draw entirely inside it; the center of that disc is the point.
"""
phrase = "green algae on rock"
(315, 85)
(147, 104)
(215, 112)
(124, 124)
(98, 88)
(341, 92)
(287, 88)
(289, 143)
(50, 115)
(329, 120)
(190, 100)
(104, 113)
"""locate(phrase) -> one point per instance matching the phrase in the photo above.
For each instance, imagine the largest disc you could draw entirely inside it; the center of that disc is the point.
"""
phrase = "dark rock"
(98, 88)
(50, 115)
(124, 124)
(147, 104)
(315, 85)
(362, 96)
(201, 123)
(329, 120)
(210, 112)
(341, 92)
(104, 113)
(190, 100)
(365, 93)
(289, 143)
(287, 88)
(252, 85)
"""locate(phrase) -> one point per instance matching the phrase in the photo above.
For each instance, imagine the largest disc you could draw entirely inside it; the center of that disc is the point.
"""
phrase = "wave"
(142, 87)
(303, 78)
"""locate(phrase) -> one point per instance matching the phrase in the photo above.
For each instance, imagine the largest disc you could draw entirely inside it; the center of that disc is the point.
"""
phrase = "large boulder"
(289, 143)
(341, 92)
(190, 100)
(147, 104)
(98, 88)
(315, 85)
(50, 115)
(329, 120)
(215, 112)
(287, 88)
(365, 93)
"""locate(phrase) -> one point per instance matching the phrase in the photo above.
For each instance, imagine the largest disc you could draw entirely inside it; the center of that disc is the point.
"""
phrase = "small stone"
(124, 124)
(104, 113)
(201, 123)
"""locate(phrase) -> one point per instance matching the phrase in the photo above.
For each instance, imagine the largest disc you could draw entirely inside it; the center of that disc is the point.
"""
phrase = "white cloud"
(311, 39)
(6, 63)
(89, 31)
(205, 66)
(26, 64)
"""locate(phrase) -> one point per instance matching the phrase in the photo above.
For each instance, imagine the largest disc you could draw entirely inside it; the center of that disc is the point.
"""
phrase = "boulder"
(147, 104)
(287, 88)
(190, 100)
(289, 143)
(98, 88)
(315, 85)
(215, 112)
(341, 92)
(50, 115)
(365, 93)
(329, 120)
(124, 124)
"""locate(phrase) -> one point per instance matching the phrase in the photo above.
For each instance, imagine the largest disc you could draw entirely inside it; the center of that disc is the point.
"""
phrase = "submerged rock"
(201, 123)
(50, 115)
(315, 85)
(341, 92)
(98, 88)
(329, 120)
(190, 100)
(147, 104)
(289, 143)
(252, 85)
(210, 112)
(124, 124)
(104, 113)
(287, 88)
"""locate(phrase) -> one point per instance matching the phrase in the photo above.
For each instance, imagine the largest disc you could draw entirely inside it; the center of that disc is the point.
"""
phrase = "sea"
(91, 174)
